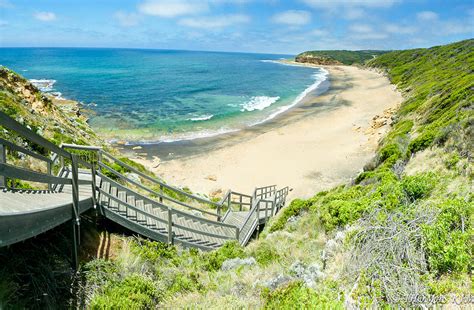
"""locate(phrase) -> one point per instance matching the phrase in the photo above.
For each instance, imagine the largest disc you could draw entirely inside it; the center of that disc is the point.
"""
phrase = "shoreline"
(314, 146)
(149, 138)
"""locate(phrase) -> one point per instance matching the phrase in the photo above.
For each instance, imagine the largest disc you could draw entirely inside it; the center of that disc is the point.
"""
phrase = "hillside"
(337, 57)
(60, 121)
(400, 234)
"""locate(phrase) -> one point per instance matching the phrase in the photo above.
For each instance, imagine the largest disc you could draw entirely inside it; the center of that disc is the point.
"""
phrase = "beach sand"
(319, 144)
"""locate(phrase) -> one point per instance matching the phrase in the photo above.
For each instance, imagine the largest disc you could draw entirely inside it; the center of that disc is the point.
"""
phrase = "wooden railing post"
(219, 212)
(50, 185)
(161, 193)
(237, 234)
(3, 160)
(94, 186)
(76, 221)
(170, 226)
(240, 201)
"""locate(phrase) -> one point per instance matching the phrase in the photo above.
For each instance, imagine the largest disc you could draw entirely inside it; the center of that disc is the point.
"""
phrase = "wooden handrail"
(151, 179)
(118, 174)
(25, 151)
(11, 124)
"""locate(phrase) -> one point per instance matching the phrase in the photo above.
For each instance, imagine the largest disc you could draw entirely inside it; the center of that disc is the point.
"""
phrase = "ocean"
(156, 96)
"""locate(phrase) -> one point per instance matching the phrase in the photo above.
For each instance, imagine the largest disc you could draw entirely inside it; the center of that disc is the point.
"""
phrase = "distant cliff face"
(57, 120)
(316, 59)
(337, 57)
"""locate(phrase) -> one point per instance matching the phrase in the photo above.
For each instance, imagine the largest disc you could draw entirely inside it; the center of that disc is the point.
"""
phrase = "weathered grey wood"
(10, 171)
(19, 129)
(23, 150)
(162, 185)
(139, 185)
(3, 160)
(170, 226)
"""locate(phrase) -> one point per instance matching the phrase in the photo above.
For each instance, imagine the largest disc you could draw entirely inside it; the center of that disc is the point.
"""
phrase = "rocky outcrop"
(60, 121)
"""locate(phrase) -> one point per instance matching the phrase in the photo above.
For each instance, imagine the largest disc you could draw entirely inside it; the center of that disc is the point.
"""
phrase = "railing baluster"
(50, 185)
(170, 226)
(75, 205)
(3, 160)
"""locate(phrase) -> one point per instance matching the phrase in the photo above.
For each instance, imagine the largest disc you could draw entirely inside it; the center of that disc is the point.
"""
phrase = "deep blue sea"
(164, 95)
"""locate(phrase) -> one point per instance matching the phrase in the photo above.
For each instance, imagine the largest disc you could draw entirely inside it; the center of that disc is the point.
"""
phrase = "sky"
(259, 26)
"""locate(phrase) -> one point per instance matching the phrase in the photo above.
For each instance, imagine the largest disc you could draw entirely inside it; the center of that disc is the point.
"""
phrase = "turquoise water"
(163, 95)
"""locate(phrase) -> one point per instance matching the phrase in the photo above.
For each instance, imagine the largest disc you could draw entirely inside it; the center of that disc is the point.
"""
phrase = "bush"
(448, 240)
(213, 260)
(265, 254)
(297, 296)
(184, 283)
(295, 207)
(133, 292)
(422, 142)
(391, 153)
(418, 186)
(153, 251)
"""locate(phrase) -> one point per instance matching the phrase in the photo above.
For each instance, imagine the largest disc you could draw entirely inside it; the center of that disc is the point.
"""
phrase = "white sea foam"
(187, 136)
(201, 118)
(255, 103)
(258, 103)
(319, 78)
(43, 85)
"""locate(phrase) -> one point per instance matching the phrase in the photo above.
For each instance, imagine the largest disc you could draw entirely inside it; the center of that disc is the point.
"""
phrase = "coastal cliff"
(60, 121)
(337, 57)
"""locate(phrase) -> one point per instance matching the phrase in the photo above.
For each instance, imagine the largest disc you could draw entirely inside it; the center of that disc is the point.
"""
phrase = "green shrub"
(153, 251)
(391, 152)
(418, 186)
(98, 272)
(297, 296)
(452, 160)
(133, 292)
(213, 260)
(265, 254)
(448, 241)
(295, 207)
(422, 142)
(182, 283)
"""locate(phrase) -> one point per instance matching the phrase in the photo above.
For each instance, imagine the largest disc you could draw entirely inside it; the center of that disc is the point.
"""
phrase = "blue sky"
(266, 26)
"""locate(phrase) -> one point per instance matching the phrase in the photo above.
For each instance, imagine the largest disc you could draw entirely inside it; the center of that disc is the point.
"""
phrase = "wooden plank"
(116, 200)
(28, 175)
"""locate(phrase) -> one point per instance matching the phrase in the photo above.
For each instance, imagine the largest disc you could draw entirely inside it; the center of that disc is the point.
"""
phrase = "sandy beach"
(321, 143)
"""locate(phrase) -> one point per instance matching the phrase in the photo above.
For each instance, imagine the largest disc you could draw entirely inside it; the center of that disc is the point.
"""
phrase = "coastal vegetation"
(338, 57)
(401, 232)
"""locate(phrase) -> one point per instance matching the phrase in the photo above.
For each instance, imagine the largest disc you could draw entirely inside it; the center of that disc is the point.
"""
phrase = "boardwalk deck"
(27, 213)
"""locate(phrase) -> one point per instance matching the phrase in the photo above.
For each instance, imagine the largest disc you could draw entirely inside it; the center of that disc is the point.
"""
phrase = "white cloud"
(427, 16)
(397, 29)
(366, 32)
(353, 13)
(214, 22)
(360, 28)
(319, 32)
(5, 4)
(45, 16)
(127, 19)
(292, 18)
(455, 27)
(172, 8)
(360, 3)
